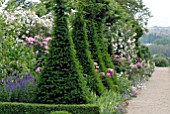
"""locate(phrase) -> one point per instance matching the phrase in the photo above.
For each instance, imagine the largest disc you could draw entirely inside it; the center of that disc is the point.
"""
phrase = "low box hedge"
(27, 108)
(60, 112)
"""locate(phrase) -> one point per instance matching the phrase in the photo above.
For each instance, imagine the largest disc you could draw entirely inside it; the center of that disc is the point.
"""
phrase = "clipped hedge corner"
(27, 108)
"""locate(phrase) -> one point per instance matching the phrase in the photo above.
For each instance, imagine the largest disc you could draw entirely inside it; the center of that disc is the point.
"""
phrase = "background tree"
(137, 10)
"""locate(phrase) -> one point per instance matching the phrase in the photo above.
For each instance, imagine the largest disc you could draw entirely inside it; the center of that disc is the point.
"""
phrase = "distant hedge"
(161, 61)
(27, 108)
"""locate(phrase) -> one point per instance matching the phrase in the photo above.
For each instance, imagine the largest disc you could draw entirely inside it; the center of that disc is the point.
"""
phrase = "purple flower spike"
(6, 80)
(12, 86)
(28, 77)
(20, 83)
(6, 86)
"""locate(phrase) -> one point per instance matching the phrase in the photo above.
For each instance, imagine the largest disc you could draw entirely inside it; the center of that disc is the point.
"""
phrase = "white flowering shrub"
(26, 22)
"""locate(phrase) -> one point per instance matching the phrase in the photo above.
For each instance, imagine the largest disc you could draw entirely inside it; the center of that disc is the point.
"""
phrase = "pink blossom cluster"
(40, 47)
(109, 73)
(137, 65)
(37, 40)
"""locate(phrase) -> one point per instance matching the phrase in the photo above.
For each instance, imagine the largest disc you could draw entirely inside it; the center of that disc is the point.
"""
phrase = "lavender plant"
(18, 88)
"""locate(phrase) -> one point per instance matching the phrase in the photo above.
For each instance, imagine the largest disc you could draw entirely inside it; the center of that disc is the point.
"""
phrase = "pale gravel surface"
(155, 98)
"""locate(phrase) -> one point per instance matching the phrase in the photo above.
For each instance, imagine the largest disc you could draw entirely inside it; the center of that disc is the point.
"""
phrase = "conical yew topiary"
(61, 80)
(96, 52)
(105, 55)
(80, 40)
(96, 21)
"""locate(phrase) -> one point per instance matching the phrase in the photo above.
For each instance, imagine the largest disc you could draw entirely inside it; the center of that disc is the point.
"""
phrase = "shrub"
(161, 61)
(27, 108)
(61, 81)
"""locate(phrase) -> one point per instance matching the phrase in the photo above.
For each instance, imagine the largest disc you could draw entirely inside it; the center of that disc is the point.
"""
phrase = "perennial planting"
(74, 53)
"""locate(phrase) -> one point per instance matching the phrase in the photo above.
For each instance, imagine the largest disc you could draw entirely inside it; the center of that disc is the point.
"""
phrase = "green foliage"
(60, 112)
(26, 108)
(109, 102)
(84, 55)
(12, 5)
(136, 9)
(40, 9)
(161, 61)
(125, 84)
(61, 80)
(15, 57)
(145, 52)
(169, 61)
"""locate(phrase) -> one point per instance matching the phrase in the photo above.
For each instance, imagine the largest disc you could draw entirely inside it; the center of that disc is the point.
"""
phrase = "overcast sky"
(160, 10)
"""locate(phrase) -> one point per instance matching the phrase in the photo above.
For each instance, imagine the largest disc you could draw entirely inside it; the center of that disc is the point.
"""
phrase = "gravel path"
(155, 98)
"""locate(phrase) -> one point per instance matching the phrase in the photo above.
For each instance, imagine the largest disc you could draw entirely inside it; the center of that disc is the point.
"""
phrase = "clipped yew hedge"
(60, 112)
(27, 108)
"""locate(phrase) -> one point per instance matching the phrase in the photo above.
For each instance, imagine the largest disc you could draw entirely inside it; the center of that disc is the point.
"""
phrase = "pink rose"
(108, 74)
(38, 69)
(102, 73)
